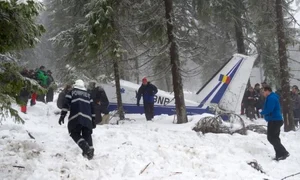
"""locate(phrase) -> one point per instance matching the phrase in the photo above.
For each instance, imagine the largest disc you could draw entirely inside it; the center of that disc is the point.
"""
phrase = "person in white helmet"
(81, 119)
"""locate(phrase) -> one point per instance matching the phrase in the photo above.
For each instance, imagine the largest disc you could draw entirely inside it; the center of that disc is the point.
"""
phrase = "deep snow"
(123, 151)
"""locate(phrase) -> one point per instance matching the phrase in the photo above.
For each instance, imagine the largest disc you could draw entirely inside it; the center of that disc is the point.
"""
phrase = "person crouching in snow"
(81, 118)
(147, 90)
(272, 114)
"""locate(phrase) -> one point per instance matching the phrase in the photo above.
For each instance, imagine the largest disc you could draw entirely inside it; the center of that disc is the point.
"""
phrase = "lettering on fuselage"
(161, 100)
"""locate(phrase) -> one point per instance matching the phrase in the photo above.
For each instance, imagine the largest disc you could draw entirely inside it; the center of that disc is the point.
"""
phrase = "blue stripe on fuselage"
(158, 109)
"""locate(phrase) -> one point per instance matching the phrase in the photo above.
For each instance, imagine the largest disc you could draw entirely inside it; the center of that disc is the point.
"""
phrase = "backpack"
(61, 99)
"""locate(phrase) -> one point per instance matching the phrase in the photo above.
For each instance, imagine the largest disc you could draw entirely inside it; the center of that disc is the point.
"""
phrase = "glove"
(259, 110)
(93, 122)
(61, 120)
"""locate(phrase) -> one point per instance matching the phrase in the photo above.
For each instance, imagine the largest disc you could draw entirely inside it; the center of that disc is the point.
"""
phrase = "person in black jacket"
(259, 99)
(50, 83)
(250, 99)
(81, 118)
(61, 100)
(295, 98)
(147, 90)
(100, 103)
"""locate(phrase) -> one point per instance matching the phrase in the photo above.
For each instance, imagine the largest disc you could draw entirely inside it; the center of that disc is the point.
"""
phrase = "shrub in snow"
(256, 166)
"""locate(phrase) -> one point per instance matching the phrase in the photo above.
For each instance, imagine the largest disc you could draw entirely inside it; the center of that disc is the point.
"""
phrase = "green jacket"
(42, 77)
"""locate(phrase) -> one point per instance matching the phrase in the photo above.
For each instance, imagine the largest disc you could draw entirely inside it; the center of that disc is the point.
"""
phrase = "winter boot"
(90, 153)
(287, 154)
(84, 146)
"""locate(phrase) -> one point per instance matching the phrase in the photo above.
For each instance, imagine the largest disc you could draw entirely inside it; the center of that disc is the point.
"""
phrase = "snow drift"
(137, 150)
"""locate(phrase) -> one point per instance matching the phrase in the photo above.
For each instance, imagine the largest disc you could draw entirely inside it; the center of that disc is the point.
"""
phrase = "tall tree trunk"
(238, 26)
(137, 74)
(239, 36)
(175, 63)
(121, 71)
(284, 73)
(118, 89)
(117, 56)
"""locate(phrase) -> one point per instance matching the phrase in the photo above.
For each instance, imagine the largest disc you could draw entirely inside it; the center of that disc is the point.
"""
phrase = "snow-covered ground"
(122, 151)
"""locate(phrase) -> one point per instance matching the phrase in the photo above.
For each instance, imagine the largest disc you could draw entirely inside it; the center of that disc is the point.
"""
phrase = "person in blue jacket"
(147, 90)
(272, 114)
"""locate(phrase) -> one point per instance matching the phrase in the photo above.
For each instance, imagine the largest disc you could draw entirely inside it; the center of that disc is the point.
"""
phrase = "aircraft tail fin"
(226, 88)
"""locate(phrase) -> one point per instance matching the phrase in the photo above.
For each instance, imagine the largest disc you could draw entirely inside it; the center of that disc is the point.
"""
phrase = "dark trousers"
(104, 109)
(97, 111)
(257, 112)
(296, 113)
(49, 95)
(80, 133)
(251, 112)
(100, 109)
(149, 110)
(40, 97)
(242, 109)
(245, 109)
(273, 137)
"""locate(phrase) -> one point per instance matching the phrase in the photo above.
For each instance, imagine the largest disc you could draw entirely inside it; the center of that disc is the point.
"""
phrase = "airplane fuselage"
(225, 89)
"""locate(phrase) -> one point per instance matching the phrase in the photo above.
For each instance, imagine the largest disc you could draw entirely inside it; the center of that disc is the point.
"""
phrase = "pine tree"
(229, 12)
(18, 30)
(104, 26)
(284, 71)
(175, 63)
(262, 18)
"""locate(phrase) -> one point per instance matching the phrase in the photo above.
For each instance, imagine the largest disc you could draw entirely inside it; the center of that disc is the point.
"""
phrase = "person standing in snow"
(42, 78)
(100, 102)
(250, 101)
(50, 86)
(295, 104)
(81, 119)
(272, 114)
(147, 90)
(259, 99)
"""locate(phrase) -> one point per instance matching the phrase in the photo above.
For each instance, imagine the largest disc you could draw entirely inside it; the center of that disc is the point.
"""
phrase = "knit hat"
(144, 79)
